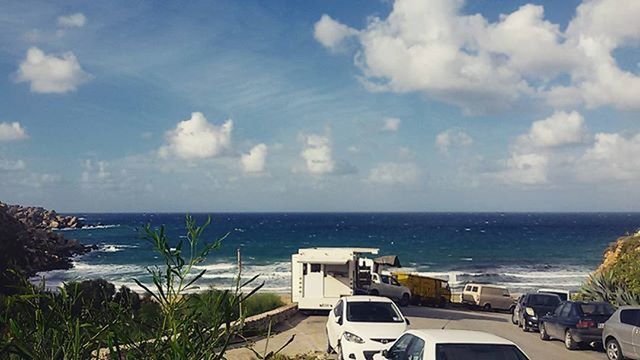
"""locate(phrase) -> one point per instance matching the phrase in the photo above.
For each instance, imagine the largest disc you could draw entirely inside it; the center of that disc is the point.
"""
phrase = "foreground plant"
(182, 333)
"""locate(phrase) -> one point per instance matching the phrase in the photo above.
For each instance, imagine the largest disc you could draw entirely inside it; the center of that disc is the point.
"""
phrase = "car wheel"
(404, 301)
(569, 343)
(443, 303)
(614, 352)
(486, 307)
(543, 332)
(525, 327)
(514, 320)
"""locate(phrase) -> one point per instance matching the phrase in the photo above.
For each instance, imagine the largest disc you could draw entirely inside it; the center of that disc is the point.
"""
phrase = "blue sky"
(409, 105)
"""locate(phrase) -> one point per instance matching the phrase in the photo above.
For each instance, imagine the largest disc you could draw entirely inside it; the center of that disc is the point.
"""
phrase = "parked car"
(577, 323)
(451, 345)
(388, 286)
(621, 334)
(531, 307)
(565, 295)
(360, 326)
(488, 297)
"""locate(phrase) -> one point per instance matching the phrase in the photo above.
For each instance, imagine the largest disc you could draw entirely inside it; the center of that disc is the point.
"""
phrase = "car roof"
(629, 307)
(362, 298)
(459, 337)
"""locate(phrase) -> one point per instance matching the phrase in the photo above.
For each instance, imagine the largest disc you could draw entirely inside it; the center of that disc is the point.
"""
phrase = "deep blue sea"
(520, 250)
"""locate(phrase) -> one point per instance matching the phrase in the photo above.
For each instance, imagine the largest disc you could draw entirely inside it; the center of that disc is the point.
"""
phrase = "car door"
(630, 331)
(551, 322)
(334, 325)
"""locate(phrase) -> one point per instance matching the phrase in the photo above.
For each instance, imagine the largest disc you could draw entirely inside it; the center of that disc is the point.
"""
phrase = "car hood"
(542, 310)
(376, 330)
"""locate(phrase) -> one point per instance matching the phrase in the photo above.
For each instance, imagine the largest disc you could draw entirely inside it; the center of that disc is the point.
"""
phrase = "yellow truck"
(425, 290)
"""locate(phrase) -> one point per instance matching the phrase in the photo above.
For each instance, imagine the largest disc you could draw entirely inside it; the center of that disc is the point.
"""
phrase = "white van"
(388, 286)
(488, 297)
(565, 295)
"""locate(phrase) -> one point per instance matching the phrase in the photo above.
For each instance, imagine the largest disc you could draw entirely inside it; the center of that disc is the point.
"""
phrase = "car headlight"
(352, 338)
(530, 311)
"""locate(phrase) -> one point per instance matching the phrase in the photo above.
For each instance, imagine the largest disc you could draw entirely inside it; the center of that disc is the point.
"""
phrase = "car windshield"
(596, 309)
(478, 352)
(544, 300)
(372, 311)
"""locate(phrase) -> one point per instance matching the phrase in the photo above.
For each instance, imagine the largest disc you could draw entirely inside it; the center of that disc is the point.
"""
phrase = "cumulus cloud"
(391, 173)
(12, 131)
(391, 124)
(331, 33)
(430, 46)
(612, 157)
(196, 138)
(452, 138)
(560, 129)
(72, 20)
(317, 154)
(254, 161)
(526, 169)
(48, 73)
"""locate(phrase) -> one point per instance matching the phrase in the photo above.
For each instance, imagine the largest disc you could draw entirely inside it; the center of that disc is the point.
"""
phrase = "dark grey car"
(621, 334)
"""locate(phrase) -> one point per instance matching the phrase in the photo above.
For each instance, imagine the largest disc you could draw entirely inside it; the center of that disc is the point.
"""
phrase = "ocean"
(520, 250)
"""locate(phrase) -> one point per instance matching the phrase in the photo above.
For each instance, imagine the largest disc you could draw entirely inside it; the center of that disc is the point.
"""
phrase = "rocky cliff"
(28, 244)
(38, 217)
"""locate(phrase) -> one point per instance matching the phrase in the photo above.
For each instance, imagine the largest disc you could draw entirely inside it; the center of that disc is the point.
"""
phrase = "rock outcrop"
(29, 245)
(38, 217)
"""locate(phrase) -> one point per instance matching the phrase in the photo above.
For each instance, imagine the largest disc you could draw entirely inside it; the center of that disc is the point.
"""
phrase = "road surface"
(310, 334)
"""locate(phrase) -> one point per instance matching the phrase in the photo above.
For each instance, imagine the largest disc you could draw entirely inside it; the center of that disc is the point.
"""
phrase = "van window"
(505, 292)
(474, 289)
(315, 268)
(467, 288)
(384, 279)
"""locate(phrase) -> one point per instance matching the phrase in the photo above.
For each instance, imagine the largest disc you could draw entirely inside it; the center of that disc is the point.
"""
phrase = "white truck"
(321, 276)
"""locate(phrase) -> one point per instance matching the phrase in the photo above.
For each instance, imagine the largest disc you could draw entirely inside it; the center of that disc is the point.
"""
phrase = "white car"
(451, 345)
(360, 326)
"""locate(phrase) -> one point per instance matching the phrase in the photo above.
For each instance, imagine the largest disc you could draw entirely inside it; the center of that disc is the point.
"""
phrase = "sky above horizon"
(406, 105)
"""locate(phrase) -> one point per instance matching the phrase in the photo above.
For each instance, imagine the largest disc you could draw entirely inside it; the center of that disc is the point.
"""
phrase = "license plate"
(600, 326)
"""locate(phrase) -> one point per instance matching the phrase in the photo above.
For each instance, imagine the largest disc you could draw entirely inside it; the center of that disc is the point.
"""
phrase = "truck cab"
(388, 286)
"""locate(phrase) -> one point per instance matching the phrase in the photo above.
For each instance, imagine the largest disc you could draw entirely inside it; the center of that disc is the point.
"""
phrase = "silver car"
(621, 334)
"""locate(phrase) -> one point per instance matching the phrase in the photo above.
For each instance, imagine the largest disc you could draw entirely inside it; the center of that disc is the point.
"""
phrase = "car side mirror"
(339, 320)
(407, 321)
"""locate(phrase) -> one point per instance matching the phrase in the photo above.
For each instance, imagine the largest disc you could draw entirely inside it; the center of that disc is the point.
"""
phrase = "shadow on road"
(431, 313)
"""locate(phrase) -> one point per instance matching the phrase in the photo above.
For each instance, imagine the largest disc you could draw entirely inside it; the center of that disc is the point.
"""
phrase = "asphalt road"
(310, 334)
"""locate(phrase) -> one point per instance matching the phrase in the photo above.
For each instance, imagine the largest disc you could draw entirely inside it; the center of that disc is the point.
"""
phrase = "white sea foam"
(115, 247)
(92, 227)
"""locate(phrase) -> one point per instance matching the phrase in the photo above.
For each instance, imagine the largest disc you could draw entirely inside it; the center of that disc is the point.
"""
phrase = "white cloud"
(317, 154)
(560, 129)
(72, 20)
(48, 73)
(254, 161)
(196, 138)
(12, 131)
(452, 138)
(612, 157)
(9, 165)
(391, 124)
(430, 46)
(391, 173)
(331, 33)
(526, 169)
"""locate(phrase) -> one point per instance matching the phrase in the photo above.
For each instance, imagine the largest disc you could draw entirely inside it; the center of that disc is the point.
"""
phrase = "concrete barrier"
(275, 316)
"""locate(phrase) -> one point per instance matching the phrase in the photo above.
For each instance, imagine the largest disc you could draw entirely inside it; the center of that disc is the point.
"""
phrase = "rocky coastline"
(29, 244)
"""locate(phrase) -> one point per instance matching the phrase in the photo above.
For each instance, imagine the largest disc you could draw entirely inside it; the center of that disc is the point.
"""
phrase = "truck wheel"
(569, 343)
(405, 300)
(486, 307)
(443, 303)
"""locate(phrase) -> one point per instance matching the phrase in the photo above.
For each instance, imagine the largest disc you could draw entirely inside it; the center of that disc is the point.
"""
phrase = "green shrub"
(260, 303)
